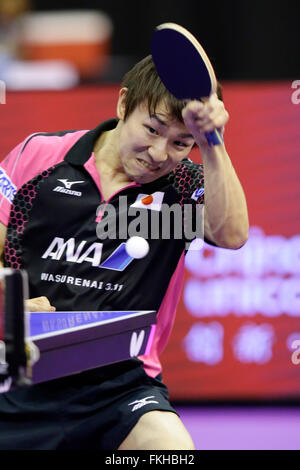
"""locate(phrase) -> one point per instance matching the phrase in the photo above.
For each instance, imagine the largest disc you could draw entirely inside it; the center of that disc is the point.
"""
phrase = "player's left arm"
(226, 217)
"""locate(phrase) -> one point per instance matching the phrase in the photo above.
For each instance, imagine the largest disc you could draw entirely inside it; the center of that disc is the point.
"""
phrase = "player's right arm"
(16, 168)
(38, 304)
(2, 242)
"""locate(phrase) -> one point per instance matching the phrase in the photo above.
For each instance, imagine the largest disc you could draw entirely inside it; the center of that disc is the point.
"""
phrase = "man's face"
(152, 146)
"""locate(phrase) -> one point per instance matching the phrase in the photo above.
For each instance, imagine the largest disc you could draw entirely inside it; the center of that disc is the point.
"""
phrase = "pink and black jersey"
(52, 204)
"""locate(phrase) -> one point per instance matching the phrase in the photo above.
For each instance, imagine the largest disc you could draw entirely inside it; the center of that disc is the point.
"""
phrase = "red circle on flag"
(147, 200)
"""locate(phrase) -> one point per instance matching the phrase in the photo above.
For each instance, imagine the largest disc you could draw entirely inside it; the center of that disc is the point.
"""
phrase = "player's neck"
(106, 151)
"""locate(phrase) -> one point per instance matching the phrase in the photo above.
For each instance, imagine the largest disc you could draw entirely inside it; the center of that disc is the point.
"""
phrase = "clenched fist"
(201, 117)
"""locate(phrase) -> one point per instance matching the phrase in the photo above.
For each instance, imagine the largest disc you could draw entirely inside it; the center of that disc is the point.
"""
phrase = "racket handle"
(214, 137)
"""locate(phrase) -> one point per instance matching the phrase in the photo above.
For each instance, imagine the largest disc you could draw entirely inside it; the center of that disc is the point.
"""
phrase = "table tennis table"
(40, 346)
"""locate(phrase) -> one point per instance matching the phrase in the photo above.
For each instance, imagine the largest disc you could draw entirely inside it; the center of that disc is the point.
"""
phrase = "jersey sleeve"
(188, 180)
(14, 170)
(35, 154)
(196, 191)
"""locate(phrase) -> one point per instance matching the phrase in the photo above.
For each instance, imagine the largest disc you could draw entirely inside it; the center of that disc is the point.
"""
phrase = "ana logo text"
(75, 252)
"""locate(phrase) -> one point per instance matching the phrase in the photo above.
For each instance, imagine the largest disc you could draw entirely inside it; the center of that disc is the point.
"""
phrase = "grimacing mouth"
(148, 166)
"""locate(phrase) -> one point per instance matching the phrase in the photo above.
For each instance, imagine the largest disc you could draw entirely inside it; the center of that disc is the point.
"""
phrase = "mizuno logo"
(69, 184)
(67, 189)
(139, 403)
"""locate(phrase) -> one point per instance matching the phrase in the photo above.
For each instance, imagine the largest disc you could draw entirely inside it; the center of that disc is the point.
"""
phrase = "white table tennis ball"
(137, 247)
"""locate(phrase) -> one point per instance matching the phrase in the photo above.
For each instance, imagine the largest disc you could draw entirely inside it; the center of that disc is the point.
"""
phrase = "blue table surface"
(47, 322)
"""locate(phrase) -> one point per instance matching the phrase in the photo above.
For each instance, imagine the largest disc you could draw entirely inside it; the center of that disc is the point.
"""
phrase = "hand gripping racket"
(184, 67)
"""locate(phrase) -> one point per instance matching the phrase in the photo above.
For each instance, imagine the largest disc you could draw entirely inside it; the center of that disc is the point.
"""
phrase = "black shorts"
(93, 410)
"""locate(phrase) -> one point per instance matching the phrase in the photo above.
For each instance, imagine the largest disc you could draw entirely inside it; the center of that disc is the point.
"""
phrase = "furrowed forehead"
(171, 107)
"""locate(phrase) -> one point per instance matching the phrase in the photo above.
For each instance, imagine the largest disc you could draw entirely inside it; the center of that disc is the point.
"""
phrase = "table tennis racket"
(184, 67)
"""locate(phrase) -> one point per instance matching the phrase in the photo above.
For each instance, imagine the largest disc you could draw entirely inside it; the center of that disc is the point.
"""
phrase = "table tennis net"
(13, 291)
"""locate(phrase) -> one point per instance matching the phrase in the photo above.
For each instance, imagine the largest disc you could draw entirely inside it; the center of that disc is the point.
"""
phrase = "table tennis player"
(143, 151)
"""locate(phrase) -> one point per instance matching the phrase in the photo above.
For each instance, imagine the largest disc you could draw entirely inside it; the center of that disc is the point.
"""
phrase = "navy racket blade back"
(179, 65)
